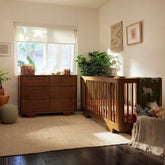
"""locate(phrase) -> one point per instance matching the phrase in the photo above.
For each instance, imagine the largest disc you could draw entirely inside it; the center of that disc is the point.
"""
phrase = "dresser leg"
(31, 115)
(66, 113)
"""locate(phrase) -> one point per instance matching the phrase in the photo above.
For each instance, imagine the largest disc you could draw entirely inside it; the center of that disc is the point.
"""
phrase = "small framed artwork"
(134, 33)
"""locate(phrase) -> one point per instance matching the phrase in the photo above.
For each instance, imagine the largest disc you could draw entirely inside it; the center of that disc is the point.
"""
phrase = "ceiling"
(76, 3)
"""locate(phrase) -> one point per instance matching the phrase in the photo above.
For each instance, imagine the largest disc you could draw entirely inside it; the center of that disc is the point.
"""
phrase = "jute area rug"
(57, 132)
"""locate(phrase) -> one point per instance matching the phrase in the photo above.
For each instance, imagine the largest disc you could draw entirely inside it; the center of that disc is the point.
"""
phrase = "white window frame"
(62, 27)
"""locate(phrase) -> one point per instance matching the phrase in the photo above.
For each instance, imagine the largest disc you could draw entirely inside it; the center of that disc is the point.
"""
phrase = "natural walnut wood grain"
(35, 106)
(105, 98)
(63, 80)
(47, 94)
(62, 105)
(35, 81)
(62, 92)
(40, 92)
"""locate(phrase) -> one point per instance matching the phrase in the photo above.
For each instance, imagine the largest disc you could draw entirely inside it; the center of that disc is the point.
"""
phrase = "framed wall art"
(117, 37)
(134, 33)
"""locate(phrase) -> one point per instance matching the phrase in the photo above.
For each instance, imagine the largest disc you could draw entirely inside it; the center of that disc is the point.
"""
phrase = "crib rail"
(101, 98)
(111, 100)
(130, 101)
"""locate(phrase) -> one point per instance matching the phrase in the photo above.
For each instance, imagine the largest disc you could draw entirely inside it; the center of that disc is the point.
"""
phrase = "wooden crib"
(110, 100)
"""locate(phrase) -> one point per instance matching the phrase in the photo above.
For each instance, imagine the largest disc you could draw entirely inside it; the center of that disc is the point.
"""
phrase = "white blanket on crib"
(148, 134)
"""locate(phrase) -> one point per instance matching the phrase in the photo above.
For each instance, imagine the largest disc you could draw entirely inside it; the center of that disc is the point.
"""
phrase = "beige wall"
(147, 58)
(87, 21)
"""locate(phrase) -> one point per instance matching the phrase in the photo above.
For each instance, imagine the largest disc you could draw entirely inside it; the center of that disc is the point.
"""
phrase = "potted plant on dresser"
(3, 77)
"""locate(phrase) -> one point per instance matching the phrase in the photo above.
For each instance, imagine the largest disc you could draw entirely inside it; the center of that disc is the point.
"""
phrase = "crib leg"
(110, 129)
(86, 115)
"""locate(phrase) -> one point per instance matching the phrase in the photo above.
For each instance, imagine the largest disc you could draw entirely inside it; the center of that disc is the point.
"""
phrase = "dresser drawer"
(35, 93)
(63, 80)
(35, 80)
(30, 106)
(63, 92)
(61, 105)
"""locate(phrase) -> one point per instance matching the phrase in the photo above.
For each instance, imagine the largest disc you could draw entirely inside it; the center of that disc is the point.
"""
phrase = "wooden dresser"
(47, 94)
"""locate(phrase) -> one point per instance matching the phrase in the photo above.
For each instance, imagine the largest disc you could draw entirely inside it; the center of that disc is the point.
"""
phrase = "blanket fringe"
(158, 151)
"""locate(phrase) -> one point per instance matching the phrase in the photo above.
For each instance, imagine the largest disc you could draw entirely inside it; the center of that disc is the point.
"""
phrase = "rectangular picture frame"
(134, 33)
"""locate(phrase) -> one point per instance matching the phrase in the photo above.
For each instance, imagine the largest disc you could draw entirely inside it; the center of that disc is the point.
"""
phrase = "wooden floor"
(108, 155)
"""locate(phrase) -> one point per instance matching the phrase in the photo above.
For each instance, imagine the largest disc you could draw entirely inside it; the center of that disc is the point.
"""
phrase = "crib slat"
(127, 101)
(112, 118)
(103, 102)
(101, 110)
(97, 93)
(92, 96)
(89, 96)
(99, 99)
(106, 100)
(109, 101)
(114, 108)
(132, 100)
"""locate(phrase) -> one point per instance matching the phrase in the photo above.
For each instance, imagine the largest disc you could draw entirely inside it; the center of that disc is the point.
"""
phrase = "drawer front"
(62, 105)
(63, 80)
(35, 93)
(30, 106)
(35, 81)
(63, 92)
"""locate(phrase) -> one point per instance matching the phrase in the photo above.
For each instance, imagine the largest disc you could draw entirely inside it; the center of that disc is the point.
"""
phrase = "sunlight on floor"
(108, 136)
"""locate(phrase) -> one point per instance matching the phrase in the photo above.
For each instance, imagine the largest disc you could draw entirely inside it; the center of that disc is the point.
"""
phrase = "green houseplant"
(3, 77)
(100, 63)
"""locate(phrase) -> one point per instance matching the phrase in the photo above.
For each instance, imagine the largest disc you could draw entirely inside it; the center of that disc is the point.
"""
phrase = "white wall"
(87, 21)
(148, 57)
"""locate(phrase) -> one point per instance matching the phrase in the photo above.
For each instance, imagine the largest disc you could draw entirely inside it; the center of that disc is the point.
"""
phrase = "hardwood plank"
(106, 155)
(15, 160)
(2, 160)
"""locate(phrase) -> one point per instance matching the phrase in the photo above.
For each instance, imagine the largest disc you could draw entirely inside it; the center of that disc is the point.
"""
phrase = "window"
(49, 50)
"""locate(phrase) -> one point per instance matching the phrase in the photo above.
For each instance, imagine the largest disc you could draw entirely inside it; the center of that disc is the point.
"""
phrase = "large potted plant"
(3, 77)
(99, 64)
